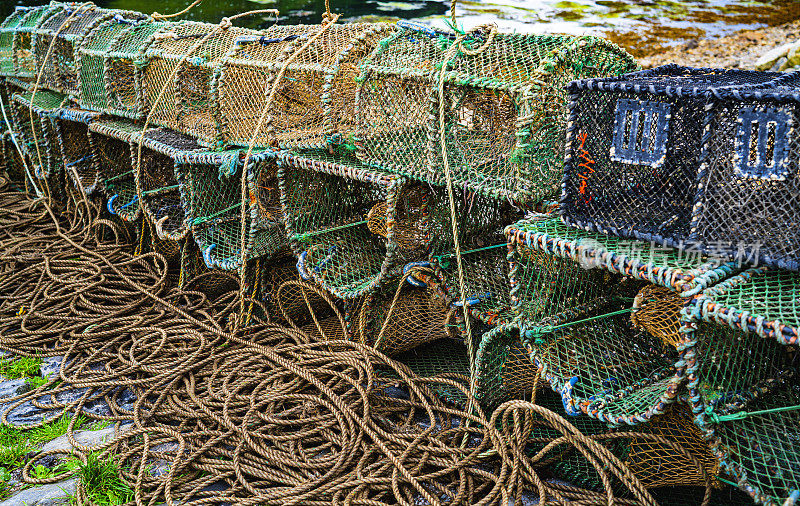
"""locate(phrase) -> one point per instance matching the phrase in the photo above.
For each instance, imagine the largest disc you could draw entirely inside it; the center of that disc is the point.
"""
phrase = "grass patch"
(100, 479)
(20, 367)
(16, 443)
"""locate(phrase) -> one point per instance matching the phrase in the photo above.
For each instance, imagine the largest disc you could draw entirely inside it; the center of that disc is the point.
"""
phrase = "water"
(641, 26)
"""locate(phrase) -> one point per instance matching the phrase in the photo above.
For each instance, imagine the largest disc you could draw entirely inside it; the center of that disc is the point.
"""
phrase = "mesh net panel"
(213, 197)
(187, 103)
(309, 308)
(416, 317)
(639, 165)
(315, 99)
(326, 203)
(7, 34)
(658, 465)
(442, 357)
(93, 56)
(111, 145)
(503, 135)
(503, 368)
(157, 182)
(72, 129)
(275, 272)
(24, 60)
(13, 162)
(657, 310)
(680, 270)
(36, 131)
(480, 222)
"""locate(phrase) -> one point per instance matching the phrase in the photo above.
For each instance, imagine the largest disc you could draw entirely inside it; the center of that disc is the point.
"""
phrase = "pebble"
(768, 60)
(45, 495)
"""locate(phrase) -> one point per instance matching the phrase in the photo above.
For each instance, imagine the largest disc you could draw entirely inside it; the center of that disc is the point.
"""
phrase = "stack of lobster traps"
(532, 211)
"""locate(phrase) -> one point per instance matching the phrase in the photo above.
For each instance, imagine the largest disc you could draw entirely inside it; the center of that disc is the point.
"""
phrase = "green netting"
(7, 31)
(329, 203)
(110, 140)
(681, 270)
(439, 358)
(157, 180)
(55, 40)
(94, 64)
(187, 103)
(480, 221)
(505, 108)
(503, 367)
(400, 316)
(32, 114)
(71, 127)
(766, 302)
(22, 62)
(212, 195)
(746, 393)
(314, 102)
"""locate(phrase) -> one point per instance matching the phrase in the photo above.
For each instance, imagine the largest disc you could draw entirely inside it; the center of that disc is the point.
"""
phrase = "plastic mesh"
(438, 358)
(658, 465)
(275, 272)
(13, 163)
(7, 34)
(32, 117)
(60, 34)
(657, 310)
(480, 222)
(315, 99)
(707, 167)
(504, 108)
(679, 270)
(213, 197)
(157, 183)
(309, 308)
(80, 165)
(187, 102)
(416, 317)
(23, 63)
(110, 140)
(326, 202)
(503, 368)
(100, 75)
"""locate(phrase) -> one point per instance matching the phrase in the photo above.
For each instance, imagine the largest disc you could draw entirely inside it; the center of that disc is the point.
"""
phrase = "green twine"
(308, 235)
(148, 192)
(537, 332)
(442, 259)
(746, 414)
(119, 176)
(203, 219)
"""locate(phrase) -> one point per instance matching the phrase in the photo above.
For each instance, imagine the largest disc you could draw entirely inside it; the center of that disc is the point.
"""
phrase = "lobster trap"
(154, 164)
(36, 132)
(16, 39)
(110, 140)
(178, 80)
(504, 108)
(56, 39)
(575, 319)
(212, 193)
(107, 64)
(351, 226)
(13, 162)
(503, 367)
(743, 380)
(701, 159)
(314, 87)
(483, 250)
(400, 316)
(71, 128)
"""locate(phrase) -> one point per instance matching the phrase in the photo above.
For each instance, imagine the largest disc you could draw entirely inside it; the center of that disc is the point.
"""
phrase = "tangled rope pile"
(264, 415)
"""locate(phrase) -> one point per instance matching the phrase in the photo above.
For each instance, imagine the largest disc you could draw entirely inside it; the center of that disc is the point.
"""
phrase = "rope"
(162, 17)
(326, 24)
(741, 415)
(451, 53)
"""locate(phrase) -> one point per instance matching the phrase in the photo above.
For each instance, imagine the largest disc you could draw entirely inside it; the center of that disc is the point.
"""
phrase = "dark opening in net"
(110, 140)
(675, 155)
(156, 179)
(213, 204)
(72, 130)
(327, 203)
(103, 78)
(13, 161)
(56, 40)
(314, 101)
(504, 108)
